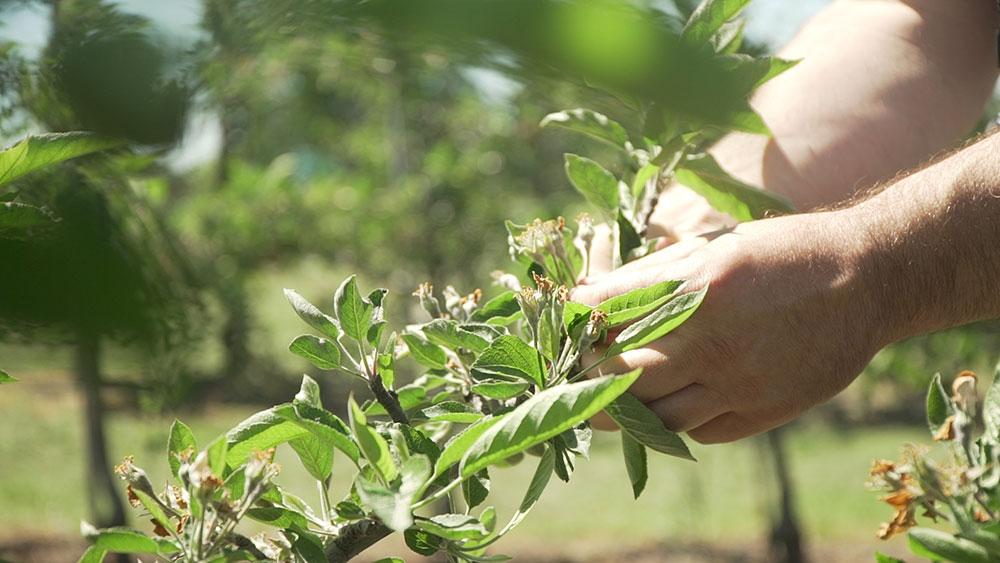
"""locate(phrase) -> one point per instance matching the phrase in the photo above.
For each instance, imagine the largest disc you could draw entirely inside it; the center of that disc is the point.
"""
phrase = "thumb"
(612, 284)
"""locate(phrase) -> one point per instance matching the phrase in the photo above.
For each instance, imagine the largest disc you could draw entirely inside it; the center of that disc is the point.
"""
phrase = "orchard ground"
(713, 510)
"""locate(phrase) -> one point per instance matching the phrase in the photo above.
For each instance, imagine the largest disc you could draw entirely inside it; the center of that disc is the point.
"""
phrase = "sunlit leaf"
(591, 123)
(38, 151)
(6, 378)
(597, 185)
(321, 352)
(658, 324)
(727, 194)
(354, 312)
(373, 446)
(635, 463)
(938, 545)
(543, 416)
(642, 424)
(500, 390)
(180, 439)
(637, 303)
(311, 314)
(425, 353)
(709, 17)
(453, 527)
(939, 406)
(393, 504)
(509, 357)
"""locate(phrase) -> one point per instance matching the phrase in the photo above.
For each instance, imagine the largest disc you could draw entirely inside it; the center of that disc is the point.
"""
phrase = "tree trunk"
(236, 330)
(106, 508)
(785, 539)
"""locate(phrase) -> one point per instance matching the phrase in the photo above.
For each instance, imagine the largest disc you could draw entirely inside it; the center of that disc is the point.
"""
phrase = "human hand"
(787, 323)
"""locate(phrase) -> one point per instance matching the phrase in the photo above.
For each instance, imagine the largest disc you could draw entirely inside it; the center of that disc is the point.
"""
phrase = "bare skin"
(798, 305)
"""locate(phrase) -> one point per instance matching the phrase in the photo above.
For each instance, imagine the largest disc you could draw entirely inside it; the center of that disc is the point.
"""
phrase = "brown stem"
(388, 399)
(355, 538)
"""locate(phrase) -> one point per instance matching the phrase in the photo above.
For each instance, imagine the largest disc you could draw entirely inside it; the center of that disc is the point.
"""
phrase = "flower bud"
(593, 331)
(425, 294)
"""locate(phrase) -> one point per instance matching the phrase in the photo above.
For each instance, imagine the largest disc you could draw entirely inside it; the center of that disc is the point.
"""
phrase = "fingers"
(728, 427)
(663, 372)
(689, 408)
(601, 251)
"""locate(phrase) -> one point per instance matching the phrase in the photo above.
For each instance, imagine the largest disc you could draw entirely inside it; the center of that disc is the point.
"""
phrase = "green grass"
(724, 498)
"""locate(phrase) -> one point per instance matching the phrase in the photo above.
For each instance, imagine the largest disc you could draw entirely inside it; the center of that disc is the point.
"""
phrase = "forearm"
(932, 244)
(883, 85)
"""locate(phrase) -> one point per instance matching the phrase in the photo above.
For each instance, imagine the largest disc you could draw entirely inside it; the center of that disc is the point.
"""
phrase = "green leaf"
(635, 463)
(278, 517)
(628, 238)
(754, 72)
(642, 424)
(121, 539)
(385, 366)
(475, 489)
(93, 554)
(991, 408)
(307, 546)
(323, 424)
(937, 545)
(500, 390)
(354, 312)
(708, 18)
(545, 415)
(153, 507)
(373, 446)
(425, 353)
(637, 303)
(451, 411)
(939, 406)
(180, 439)
(315, 454)
(642, 177)
(883, 558)
(729, 38)
(16, 217)
(38, 151)
(217, 451)
(263, 430)
(746, 120)
(501, 310)
(5, 378)
(311, 314)
(421, 542)
(450, 335)
(459, 445)
(309, 393)
(453, 527)
(597, 185)
(509, 357)
(590, 123)
(669, 316)
(321, 352)
(726, 194)
(393, 505)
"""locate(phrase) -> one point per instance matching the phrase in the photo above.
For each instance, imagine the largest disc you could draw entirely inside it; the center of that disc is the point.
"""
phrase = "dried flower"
(963, 391)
